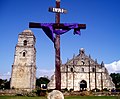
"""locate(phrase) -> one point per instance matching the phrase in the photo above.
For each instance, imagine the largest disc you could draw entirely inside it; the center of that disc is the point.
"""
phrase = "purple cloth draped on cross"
(49, 30)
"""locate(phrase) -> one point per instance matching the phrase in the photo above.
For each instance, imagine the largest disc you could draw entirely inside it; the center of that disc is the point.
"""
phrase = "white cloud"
(5, 75)
(44, 72)
(113, 67)
(39, 73)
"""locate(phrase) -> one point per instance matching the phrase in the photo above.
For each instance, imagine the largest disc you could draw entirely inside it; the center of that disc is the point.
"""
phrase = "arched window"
(93, 69)
(24, 54)
(25, 42)
(71, 69)
(83, 61)
(82, 69)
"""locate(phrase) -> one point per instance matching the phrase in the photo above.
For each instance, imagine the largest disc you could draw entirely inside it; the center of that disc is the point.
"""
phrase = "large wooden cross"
(57, 25)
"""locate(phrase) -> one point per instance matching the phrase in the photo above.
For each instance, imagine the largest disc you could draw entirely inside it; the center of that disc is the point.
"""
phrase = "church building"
(83, 73)
(23, 74)
(79, 73)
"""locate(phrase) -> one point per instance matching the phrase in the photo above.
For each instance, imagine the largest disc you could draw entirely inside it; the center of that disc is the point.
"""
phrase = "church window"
(83, 62)
(82, 69)
(24, 54)
(93, 69)
(71, 69)
(25, 42)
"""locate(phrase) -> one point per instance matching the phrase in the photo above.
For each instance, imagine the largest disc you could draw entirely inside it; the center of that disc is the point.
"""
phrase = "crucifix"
(57, 29)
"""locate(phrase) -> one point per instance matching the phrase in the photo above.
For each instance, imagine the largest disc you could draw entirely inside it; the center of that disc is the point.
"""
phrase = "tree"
(42, 80)
(116, 79)
(4, 84)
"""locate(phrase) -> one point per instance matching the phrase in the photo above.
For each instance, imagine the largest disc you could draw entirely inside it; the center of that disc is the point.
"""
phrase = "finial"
(67, 59)
(89, 56)
(89, 61)
(73, 55)
(82, 51)
(102, 64)
(95, 60)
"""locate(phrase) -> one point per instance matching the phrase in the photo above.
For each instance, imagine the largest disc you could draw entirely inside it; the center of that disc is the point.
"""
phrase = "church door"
(83, 85)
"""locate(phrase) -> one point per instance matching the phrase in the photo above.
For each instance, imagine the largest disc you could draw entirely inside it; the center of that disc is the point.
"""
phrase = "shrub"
(95, 90)
(41, 92)
(85, 93)
(105, 89)
(71, 90)
(64, 90)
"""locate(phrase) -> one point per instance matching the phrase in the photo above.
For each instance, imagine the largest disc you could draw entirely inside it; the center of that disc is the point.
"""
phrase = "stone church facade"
(83, 73)
(23, 74)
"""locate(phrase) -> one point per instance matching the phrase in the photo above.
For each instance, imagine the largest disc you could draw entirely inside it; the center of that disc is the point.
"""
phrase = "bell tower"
(23, 74)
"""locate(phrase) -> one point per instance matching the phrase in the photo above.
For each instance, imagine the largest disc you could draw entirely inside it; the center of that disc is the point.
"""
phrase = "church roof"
(82, 59)
(27, 32)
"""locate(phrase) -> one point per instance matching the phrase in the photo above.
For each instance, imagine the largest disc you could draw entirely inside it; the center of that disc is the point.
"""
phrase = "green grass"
(20, 97)
(92, 97)
(67, 97)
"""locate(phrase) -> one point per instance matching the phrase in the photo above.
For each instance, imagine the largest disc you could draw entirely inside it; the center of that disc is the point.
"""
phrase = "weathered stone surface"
(24, 66)
(55, 94)
(82, 69)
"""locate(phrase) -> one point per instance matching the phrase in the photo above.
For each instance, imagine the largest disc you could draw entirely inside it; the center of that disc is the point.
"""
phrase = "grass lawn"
(92, 97)
(20, 97)
(67, 97)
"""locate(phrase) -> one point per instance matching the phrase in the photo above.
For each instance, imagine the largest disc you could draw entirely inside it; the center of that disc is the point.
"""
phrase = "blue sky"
(100, 39)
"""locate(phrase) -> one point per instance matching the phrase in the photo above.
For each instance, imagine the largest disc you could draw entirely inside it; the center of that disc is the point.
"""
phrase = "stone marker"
(55, 94)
